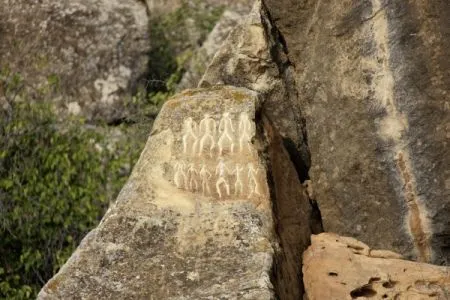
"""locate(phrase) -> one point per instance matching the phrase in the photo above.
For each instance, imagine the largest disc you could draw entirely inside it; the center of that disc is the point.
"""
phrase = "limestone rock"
(195, 219)
(76, 51)
(205, 53)
(254, 57)
(373, 84)
(244, 59)
(338, 267)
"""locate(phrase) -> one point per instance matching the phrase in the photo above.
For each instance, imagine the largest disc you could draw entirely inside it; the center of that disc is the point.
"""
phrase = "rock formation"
(212, 44)
(195, 219)
(339, 105)
(372, 78)
(82, 54)
(340, 83)
(338, 267)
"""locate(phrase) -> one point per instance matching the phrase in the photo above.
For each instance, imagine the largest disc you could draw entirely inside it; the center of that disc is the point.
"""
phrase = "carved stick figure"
(190, 131)
(208, 131)
(253, 180)
(245, 131)
(227, 129)
(192, 174)
(238, 185)
(179, 177)
(205, 176)
(221, 172)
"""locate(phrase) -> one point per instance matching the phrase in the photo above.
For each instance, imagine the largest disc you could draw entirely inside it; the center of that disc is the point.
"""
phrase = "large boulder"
(203, 56)
(338, 267)
(254, 57)
(83, 55)
(197, 220)
(373, 85)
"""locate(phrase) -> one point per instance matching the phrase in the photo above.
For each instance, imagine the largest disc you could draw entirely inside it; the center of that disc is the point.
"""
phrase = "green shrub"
(56, 181)
(172, 44)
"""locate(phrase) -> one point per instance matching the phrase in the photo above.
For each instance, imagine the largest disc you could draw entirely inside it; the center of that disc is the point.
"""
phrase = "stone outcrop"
(195, 219)
(203, 56)
(254, 57)
(338, 267)
(81, 54)
(373, 84)
(341, 105)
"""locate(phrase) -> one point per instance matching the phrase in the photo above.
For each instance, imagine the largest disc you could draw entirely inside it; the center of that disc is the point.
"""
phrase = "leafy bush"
(174, 37)
(56, 181)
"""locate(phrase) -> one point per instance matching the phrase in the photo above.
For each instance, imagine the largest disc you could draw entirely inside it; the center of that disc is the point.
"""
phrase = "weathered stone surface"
(253, 57)
(295, 219)
(205, 53)
(338, 267)
(82, 54)
(195, 219)
(374, 86)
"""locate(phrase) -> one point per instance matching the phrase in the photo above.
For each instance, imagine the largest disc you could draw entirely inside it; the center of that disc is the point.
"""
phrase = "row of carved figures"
(197, 137)
(198, 178)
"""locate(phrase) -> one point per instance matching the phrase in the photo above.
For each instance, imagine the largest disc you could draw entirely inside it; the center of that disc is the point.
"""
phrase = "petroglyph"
(245, 131)
(233, 181)
(190, 135)
(192, 174)
(227, 133)
(206, 136)
(215, 157)
(253, 180)
(180, 177)
(221, 172)
(205, 176)
(238, 185)
(208, 132)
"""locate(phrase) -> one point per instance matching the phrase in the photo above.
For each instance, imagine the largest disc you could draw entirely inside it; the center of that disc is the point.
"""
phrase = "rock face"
(195, 220)
(82, 54)
(254, 57)
(205, 53)
(373, 84)
(338, 267)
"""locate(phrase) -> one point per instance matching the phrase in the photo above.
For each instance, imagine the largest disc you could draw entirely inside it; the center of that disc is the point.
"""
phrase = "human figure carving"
(245, 131)
(208, 132)
(192, 175)
(253, 180)
(180, 177)
(205, 176)
(238, 185)
(190, 134)
(221, 173)
(226, 128)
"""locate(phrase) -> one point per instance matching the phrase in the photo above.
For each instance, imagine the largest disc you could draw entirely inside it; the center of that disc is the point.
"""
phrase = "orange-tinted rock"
(336, 267)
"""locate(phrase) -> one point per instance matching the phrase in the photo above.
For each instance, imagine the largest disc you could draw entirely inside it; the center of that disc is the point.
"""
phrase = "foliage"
(174, 37)
(56, 181)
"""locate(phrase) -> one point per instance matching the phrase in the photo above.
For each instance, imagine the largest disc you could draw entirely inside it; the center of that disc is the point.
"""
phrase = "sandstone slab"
(195, 219)
(338, 267)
